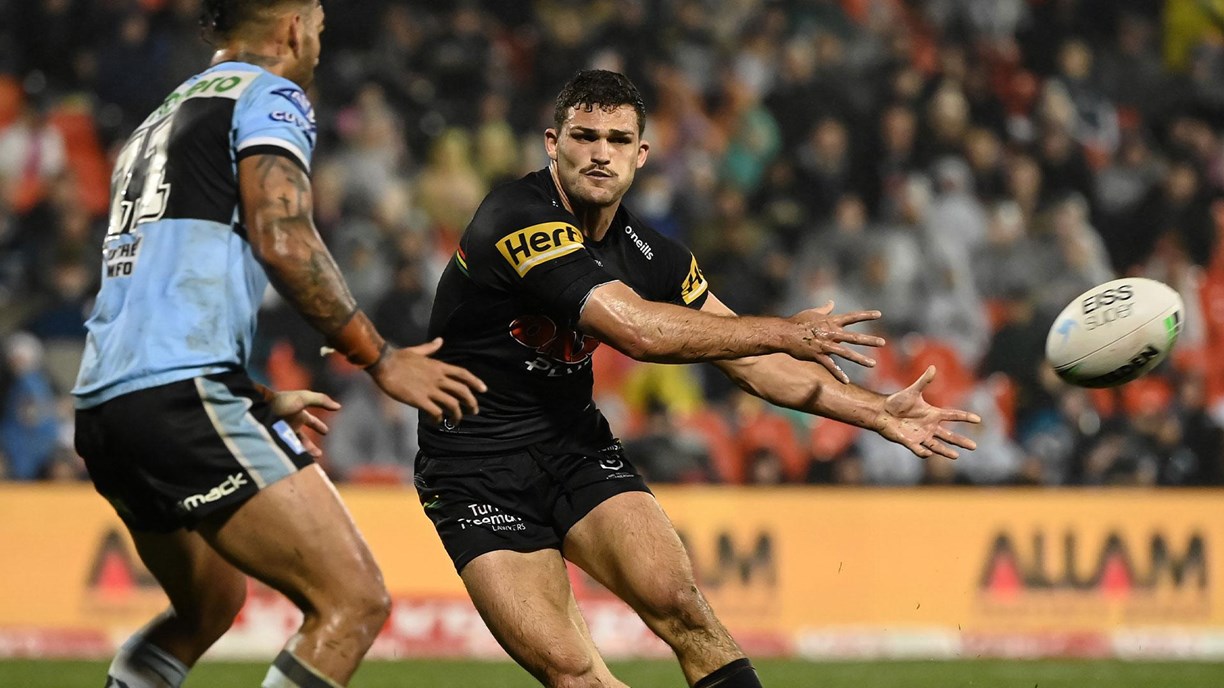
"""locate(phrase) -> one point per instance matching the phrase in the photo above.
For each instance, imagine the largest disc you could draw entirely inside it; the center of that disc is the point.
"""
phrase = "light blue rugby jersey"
(180, 285)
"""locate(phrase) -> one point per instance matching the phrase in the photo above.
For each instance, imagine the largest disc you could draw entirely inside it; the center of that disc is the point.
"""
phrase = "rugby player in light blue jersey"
(211, 199)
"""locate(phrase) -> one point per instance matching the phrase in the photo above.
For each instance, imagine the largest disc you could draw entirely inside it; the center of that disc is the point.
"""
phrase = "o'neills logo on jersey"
(1070, 574)
(694, 285)
(538, 244)
(640, 243)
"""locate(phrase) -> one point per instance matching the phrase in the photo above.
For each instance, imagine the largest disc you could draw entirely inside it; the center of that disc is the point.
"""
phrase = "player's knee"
(362, 609)
(682, 608)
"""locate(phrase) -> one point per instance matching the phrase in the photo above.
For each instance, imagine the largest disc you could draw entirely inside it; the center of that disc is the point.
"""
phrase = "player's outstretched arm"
(278, 212)
(904, 417)
(665, 333)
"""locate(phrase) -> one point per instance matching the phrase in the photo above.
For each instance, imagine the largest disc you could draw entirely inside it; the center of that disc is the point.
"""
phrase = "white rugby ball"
(1114, 332)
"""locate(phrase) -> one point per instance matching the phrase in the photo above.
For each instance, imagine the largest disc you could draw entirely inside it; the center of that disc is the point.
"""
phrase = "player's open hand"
(910, 421)
(294, 406)
(823, 336)
(441, 390)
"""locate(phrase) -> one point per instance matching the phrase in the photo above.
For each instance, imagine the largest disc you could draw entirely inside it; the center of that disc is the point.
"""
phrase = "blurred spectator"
(29, 419)
(666, 452)
(32, 155)
(373, 435)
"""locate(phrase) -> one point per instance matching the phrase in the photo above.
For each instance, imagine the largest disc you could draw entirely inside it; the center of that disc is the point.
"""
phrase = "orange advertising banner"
(806, 571)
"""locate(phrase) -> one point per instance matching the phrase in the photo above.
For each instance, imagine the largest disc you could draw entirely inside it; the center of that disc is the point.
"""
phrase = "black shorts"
(523, 502)
(168, 456)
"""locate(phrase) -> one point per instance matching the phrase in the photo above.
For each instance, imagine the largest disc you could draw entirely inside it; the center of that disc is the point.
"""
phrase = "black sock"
(737, 674)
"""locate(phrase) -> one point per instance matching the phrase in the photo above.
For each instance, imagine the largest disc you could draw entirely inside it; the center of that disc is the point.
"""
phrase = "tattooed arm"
(277, 209)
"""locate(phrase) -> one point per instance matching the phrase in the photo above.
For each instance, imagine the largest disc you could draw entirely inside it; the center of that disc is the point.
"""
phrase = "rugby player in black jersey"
(551, 266)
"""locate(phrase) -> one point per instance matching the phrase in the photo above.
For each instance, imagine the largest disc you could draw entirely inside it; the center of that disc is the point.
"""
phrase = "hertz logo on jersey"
(694, 285)
(538, 244)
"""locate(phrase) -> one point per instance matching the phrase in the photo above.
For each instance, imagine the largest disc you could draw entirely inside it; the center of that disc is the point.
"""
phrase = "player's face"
(597, 153)
(309, 27)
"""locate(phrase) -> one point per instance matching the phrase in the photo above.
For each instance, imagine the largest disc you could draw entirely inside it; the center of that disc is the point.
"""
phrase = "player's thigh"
(629, 545)
(297, 537)
(205, 590)
(526, 600)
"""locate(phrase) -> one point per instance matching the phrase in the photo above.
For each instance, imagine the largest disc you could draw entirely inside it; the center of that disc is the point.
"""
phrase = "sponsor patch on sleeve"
(694, 285)
(538, 244)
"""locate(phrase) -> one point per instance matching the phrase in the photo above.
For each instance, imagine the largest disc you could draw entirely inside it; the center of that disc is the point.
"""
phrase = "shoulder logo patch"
(694, 285)
(299, 100)
(539, 244)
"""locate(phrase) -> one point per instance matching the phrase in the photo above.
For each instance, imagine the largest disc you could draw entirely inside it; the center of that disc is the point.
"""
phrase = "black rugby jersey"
(507, 308)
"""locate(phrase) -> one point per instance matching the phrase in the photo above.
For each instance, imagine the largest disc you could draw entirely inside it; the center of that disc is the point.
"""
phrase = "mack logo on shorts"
(289, 436)
(228, 487)
(694, 285)
(538, 244)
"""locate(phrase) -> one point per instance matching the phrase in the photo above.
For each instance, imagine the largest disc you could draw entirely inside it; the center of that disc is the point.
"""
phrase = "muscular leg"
(205, 595)
(629, 545)
(526, 601)
(297, 537)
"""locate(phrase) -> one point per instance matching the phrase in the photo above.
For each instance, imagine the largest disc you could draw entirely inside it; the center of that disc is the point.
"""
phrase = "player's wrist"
(359, 342)
(265, 391)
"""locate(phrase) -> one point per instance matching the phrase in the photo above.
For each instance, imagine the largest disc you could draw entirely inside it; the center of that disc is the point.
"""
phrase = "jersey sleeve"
(275, 116)
(540, 255)
(684, 284)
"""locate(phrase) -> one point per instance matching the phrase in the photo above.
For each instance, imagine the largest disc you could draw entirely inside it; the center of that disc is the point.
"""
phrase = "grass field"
(775, 674)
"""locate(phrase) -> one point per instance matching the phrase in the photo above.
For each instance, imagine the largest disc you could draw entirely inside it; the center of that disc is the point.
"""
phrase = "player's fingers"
(927, 375)
(319, 399)
(859, 338)
(852, 355)
(310, 447)
(960, 416)
(825, 309)
(450, 406)
(955, 438)
(429, 408)
(833, 368)
(312, 421)
(919, 449)
(858, 316)
(941, 449)
(466, 377)
(462, 393)
(428, 348)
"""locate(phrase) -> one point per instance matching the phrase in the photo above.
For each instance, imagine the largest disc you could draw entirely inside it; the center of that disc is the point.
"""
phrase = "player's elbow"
(634, 344)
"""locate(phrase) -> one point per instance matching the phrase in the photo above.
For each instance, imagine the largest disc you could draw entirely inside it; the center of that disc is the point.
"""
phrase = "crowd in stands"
(965, 166)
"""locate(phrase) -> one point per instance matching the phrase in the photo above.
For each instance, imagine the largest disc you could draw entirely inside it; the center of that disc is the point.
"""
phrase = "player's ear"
(295, 29)
(643, 152)
(550, 143)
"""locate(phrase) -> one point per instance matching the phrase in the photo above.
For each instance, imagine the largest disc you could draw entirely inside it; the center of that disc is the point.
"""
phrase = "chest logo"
(538, 244)
(555, 345)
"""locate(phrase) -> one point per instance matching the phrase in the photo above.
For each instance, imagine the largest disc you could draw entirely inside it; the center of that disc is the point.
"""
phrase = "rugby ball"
(1114, 332)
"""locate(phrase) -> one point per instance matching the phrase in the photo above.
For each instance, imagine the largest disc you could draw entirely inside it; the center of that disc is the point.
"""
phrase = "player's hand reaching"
(294, 406)
(441, 390)
(910, 421)
(824, 336)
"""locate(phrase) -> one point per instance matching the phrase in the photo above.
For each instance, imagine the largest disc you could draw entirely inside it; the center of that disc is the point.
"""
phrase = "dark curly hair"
(599, 87)
(220, 19)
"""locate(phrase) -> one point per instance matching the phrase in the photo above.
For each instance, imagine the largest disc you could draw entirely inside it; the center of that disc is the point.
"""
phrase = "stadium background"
(966, 166)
